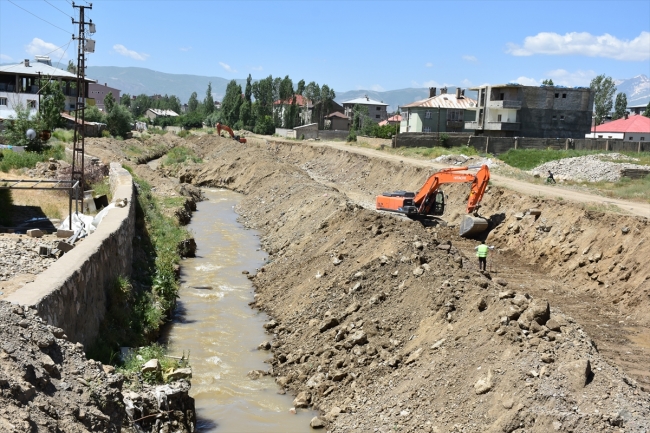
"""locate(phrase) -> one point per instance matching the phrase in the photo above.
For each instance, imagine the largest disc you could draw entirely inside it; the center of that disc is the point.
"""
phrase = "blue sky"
(379, 45)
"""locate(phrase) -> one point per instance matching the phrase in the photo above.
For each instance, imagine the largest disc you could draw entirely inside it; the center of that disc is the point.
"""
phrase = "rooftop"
(338, 114)
(300, 100)
(364, 100)
(636, 123)
(445, 100)
(35, 68)
(158, 112)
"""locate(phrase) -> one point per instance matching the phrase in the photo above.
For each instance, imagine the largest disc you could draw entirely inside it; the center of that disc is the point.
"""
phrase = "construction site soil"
(384, 323)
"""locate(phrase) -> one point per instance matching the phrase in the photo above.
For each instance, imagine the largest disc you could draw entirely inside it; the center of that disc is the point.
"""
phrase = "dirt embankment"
(382, 323)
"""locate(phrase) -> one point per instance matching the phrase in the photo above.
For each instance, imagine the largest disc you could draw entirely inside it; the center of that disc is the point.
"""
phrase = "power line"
(53, 25)
(57, 9)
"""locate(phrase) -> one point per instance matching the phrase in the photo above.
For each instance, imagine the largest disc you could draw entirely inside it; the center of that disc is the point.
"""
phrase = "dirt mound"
(48, 385)
(590, 168)
(381, 322)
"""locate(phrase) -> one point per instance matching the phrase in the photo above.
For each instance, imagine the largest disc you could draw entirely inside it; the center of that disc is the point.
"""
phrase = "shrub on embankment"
(137, 308)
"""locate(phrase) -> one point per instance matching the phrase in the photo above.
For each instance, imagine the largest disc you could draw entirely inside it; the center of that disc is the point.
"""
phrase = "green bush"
(119, 121)
(265, 126)
(106, 133)
(352, 136)
(14, 160)
(179, 155)
(64, 135)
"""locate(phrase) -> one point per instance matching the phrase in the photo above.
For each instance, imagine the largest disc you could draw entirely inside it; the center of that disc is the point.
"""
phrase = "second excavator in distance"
(430, 199)
(221, 127)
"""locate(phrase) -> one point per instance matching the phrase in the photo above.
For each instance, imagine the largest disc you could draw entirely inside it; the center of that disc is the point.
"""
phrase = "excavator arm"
(221, 127)
(429, 200)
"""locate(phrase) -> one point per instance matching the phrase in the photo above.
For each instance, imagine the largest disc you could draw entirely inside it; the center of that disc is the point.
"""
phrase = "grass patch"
(431, 152)
(131, 369)
(137, 308)
(527, 159)
(102, 187)
(64, 135)
(14, 160)
(626, 188)
(598, 207)
(180, 154)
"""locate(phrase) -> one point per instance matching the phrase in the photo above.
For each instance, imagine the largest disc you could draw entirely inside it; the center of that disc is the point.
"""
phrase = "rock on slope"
(379, 324)
(48, 385)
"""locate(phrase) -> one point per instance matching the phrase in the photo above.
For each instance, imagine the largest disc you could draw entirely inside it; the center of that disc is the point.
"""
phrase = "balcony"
(471, 125)
(455, 124)
(501, 126)
(511, 104)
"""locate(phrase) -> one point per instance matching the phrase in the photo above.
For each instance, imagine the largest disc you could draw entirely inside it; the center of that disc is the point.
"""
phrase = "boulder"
(302, 399)
(151, 365)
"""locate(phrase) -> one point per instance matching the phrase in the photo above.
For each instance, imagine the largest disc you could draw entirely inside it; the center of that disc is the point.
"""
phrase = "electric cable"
(53, 25)
(57, 9)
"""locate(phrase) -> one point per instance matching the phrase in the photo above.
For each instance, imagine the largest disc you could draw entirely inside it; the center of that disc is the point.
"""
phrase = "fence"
(498, 145)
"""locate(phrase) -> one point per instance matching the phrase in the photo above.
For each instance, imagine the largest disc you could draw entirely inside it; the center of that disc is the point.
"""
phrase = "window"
(557, 95)
(31, 103)
(642, 139)
(564, 95)
(561, 117)
(631, 138)
(600, 136)
(378, 108)
(501, 96)
(498, 118)
(426, 129)
(427, 115)
(3, 101)
(554, 117)
(377, 116)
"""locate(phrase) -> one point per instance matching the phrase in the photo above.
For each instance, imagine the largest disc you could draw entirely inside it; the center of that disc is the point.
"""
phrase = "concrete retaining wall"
(71, 294)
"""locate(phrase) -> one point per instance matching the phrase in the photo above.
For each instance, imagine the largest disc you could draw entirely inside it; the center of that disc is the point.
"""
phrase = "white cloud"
(38, 47)
(571, 79)
(430, 83)
(428, 65)
(584, 44)
(5, 58)
(526, 81)
(227, 67)
(185, 49)
(470, 58)
(257, 68)
(466, 83)
(121, 49)
(376, 88)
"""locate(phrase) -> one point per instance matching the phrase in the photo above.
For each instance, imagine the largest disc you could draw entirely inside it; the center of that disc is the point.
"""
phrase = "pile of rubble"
(19, 254)
(590, 168)
(463, 160)
(47, 384)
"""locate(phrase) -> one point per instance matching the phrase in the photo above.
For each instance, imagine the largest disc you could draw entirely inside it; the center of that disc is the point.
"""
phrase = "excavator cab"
(439, 203)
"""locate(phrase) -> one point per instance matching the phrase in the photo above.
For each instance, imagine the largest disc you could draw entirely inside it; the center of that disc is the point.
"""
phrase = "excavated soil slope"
(383, 323)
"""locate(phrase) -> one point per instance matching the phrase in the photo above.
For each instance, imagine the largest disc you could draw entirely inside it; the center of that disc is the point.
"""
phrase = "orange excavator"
(221, 127)
(430, 199)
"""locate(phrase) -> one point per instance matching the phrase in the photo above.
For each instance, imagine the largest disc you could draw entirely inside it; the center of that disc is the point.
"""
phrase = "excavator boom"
(430, 200)
(221, 127)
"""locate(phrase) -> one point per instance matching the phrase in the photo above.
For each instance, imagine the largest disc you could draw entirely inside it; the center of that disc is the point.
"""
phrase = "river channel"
(221, 331)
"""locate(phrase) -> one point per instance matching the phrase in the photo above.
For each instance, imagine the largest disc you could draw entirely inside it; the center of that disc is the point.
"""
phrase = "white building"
(19, 85)
(629, 128)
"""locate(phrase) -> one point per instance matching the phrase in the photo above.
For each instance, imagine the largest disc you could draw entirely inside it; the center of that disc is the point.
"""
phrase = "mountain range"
(136, 81)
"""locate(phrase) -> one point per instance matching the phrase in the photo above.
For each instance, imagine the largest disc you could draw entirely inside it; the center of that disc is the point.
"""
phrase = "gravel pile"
(461, 160)
(19, 255)
(590, 168)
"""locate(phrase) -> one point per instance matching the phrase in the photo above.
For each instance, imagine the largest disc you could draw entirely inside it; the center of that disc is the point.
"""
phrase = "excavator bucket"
(471, 225)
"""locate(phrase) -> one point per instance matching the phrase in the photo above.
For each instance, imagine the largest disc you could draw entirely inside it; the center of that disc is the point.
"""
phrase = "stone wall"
(71, 294)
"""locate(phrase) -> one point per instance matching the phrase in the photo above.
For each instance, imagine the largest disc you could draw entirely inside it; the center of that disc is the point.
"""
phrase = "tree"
(94, 115)
(52, 103)
(119, 121)
(263, 93)
(547, 82)
(72, 68)
(620, 106)
(603, 88)
(17, 126)
(246, 111)
(208, 102)
(140, 105)
(646, 113)
(125, 100)
(231, 104)
(109, 102)
(193, 103)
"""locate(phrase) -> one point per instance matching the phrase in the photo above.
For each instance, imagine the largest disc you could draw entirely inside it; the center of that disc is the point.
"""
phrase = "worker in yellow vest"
(481, 253)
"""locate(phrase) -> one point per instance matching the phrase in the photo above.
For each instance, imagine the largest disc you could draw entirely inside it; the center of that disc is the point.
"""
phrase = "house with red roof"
(393, 120)
(629, 128)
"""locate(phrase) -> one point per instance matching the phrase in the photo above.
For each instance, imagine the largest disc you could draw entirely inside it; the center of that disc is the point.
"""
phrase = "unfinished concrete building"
(513, 110)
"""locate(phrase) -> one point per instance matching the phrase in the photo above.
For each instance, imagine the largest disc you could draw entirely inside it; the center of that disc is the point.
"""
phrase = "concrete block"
(35, 233)
(64, 233)
(44, 250)
(64, 246)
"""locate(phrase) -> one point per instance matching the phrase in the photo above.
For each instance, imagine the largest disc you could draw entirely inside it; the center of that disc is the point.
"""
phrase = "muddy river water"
(220, 330)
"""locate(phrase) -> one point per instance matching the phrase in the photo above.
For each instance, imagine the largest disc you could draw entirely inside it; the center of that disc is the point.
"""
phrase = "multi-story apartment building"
(513, 110)
(439, 113)
(99, 92)
(19, 85)
(377, 110)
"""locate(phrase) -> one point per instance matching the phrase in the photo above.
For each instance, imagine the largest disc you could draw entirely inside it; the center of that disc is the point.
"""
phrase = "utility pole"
(84, 45)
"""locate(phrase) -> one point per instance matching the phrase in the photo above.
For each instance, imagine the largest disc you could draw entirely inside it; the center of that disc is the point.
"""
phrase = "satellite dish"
(30, 134)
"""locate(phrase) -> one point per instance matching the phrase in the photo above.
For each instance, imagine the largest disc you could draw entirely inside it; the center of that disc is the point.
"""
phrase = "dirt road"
(555, 191)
